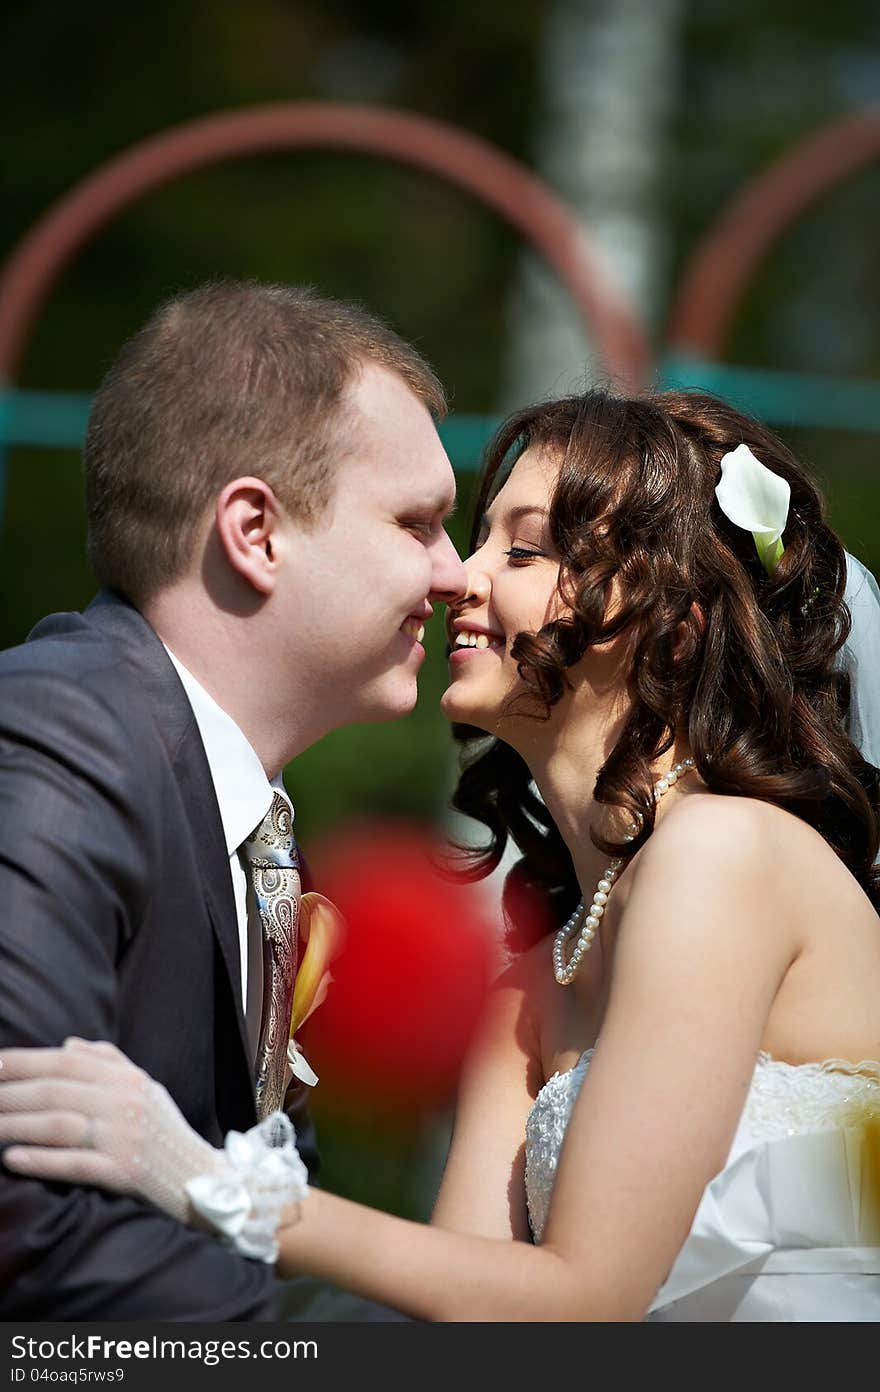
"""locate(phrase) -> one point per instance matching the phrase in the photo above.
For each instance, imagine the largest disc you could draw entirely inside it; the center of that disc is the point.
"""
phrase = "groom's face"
(368, 572)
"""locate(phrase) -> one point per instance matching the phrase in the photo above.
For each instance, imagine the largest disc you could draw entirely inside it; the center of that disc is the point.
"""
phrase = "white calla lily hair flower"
(756, 499)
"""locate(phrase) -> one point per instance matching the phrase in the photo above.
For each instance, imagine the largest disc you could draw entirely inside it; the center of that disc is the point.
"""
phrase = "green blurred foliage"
(82, 85)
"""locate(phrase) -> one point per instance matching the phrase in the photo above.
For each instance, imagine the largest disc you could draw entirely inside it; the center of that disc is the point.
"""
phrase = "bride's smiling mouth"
(467, 639)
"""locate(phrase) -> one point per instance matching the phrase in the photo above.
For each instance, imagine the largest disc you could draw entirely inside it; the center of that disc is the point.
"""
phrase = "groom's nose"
(448, 577)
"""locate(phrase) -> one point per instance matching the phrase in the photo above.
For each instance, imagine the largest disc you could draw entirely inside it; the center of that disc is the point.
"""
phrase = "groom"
(266, 494)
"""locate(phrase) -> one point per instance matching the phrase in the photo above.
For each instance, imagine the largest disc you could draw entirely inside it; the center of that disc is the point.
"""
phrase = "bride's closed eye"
(523, 554)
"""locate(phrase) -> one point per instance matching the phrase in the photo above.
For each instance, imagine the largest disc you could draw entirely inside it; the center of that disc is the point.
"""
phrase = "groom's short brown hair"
(229, 379)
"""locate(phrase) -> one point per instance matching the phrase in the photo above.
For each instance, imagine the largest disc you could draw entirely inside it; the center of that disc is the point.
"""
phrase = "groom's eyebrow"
(446, 507)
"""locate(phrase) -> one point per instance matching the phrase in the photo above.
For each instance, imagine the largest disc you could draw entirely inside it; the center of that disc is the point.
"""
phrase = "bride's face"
(512, 587)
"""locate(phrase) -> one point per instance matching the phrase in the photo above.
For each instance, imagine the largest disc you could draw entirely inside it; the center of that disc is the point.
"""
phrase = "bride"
(668, 1113)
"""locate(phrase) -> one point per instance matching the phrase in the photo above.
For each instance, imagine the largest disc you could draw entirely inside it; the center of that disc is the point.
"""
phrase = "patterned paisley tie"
(274, 867)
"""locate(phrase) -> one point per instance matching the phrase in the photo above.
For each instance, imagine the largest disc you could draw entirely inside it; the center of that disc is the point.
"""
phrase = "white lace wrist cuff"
(259, 1174)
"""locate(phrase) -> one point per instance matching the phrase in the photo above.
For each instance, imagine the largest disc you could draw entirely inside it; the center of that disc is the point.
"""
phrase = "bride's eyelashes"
(520, 554)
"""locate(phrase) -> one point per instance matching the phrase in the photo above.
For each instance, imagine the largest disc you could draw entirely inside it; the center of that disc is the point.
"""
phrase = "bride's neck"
(565, 776)
(565, 773)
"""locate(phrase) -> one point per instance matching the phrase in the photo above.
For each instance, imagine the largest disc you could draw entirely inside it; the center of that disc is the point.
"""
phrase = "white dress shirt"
(244, 796)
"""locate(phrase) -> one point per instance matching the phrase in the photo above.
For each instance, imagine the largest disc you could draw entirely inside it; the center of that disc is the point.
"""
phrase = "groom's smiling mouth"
(414, 624)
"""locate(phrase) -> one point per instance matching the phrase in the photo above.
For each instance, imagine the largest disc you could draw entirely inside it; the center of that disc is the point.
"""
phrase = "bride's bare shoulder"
(745, 831)
(744, 846)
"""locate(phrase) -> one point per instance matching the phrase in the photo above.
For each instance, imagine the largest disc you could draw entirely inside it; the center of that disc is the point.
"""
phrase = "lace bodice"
(784, 1100)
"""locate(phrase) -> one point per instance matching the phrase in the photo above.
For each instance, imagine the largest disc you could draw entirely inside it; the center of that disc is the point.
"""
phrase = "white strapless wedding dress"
(790, 1228)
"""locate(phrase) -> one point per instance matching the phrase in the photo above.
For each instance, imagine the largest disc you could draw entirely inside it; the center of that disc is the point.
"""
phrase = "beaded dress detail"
(790, 1228)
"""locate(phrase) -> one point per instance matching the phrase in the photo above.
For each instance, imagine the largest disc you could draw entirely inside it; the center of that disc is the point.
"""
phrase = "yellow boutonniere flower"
(322, 929)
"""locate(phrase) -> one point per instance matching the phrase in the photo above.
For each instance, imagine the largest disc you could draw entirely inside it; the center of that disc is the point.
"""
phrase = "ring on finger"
(89, 1136)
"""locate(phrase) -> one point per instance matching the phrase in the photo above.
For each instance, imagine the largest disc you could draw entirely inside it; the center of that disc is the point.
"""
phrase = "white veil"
(861, 657)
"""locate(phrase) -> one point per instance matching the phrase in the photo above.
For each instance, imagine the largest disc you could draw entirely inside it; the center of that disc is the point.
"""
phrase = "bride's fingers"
(86, 1064)
(69, 1129)
(100, 1047)
(54, 1095)
(69, 1166)
(31, 1063)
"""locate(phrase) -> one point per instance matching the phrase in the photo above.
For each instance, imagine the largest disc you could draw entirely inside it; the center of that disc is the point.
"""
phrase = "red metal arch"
(506, 186)
(722, 267)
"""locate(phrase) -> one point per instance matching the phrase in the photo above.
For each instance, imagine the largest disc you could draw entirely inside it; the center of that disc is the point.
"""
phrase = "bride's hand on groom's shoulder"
(72, 1113)
(85, 1114)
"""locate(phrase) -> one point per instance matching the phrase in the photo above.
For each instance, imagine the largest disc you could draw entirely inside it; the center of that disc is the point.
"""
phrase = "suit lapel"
(200, 802)
(174, 717)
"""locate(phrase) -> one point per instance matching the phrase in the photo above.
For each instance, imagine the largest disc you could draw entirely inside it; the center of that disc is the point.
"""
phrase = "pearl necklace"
(565, 971)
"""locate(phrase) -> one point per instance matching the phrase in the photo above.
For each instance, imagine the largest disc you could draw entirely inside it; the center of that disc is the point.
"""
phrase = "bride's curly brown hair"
(742, 664)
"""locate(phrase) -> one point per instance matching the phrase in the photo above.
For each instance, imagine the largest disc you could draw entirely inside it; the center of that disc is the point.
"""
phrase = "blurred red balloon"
(408, 988)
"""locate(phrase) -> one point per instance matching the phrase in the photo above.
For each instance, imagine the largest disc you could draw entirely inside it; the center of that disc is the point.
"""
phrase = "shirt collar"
(244, 793)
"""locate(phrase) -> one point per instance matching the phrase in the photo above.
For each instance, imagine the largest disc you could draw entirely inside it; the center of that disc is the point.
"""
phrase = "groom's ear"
(247, 516)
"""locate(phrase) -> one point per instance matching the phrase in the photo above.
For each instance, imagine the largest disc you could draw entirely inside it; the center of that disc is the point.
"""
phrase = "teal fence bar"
(793, 399)
(44, 419)
(57, 420)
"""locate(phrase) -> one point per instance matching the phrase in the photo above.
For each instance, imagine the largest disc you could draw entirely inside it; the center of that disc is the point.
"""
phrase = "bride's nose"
(479, 585)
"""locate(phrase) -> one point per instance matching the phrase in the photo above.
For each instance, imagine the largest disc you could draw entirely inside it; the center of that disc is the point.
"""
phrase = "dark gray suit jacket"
(117, 921)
